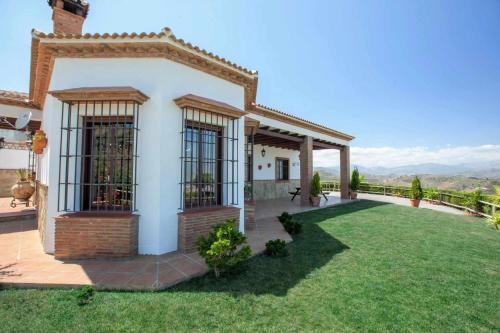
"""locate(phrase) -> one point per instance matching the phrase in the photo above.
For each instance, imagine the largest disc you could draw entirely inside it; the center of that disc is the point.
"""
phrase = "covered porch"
(279, 164)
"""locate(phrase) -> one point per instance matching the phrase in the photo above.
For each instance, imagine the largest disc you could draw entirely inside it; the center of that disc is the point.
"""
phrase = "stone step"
(17, 216)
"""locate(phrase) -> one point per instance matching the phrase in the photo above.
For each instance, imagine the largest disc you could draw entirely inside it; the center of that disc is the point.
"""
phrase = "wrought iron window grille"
(98, 156)
(209, 159)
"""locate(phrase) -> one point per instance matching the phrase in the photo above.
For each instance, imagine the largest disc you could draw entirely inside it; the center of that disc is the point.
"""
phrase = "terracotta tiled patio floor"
(24, 264)
(8, 213)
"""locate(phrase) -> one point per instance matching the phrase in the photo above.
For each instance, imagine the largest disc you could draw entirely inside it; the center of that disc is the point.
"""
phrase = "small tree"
(224, 247)
(355, 180)
(315, 185)
(416, 192)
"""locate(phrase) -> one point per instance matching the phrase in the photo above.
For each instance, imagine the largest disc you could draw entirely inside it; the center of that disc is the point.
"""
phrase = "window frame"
(278, 163)
(200, 161)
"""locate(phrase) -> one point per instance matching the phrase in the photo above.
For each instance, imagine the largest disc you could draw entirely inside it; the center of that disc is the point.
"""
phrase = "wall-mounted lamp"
(263, 152)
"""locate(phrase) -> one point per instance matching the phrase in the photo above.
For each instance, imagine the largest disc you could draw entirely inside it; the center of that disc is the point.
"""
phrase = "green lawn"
(365, 266)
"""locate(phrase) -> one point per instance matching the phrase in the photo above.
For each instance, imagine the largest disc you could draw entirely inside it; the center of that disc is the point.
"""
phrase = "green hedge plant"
(224, 247)
(495, 220)
(432, 194)
(289, 224)
(276, 248)
(472, 200)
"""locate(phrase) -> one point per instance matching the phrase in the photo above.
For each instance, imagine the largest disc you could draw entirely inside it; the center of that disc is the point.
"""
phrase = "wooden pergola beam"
(279, 135)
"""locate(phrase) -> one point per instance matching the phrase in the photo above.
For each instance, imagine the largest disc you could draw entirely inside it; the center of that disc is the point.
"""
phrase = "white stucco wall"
(269, 173)
(13, 159)
(15, 111)
(159, 145)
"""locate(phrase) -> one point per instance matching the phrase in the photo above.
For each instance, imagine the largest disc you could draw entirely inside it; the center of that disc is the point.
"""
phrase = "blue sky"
(393, 73)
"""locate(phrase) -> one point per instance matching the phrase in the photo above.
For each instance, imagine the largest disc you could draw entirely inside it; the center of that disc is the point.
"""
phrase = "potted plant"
(355, 183)
(416, 192)
(315, 190)
(24, 188)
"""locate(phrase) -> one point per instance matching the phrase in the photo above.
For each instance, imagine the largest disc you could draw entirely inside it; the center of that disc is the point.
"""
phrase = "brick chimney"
(68, 15)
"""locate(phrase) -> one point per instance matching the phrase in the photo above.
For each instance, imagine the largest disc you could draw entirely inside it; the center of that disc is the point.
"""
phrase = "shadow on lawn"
(310, 250)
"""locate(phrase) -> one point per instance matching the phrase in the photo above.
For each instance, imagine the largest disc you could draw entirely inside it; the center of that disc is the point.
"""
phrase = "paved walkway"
(406, 202)
(24, 264)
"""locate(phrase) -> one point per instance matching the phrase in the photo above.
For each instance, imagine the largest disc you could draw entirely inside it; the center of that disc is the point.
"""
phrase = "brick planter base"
(93, 235)
(194, 223)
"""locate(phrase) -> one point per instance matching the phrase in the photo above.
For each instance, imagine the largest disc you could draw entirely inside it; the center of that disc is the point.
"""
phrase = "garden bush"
(276, 248)
(284, 217)
(495, 220)
(431, 194)
(472, 200)
(223, 248)
(289, 224)
(84, 295)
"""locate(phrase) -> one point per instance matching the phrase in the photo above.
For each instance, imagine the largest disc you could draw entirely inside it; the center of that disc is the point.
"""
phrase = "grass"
(361, 267)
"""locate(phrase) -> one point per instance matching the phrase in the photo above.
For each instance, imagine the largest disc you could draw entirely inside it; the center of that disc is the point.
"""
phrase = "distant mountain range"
(457, 177)
(483, 170)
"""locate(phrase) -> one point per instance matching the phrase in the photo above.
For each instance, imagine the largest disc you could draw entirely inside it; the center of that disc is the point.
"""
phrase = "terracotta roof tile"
(166, 32)
(15, 98)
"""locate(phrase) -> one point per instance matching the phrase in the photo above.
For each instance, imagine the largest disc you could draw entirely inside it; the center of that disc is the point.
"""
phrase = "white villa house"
(152, 141)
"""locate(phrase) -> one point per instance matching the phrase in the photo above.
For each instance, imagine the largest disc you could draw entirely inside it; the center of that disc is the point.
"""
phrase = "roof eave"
(294, 120)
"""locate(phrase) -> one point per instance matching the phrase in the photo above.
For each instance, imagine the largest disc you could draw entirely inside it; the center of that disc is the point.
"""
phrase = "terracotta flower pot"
(315, 201)
(39, 142)
(415, 202)
(23, 190)
(354, 195)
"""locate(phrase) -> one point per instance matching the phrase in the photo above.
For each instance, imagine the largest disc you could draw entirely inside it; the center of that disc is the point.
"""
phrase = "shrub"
(472, 200)
(355, 181)
(416, 191)
(494, 220)
(276, 248)
(432, 194)
(292, 227)
(315, 185)
(84, 295)
(284, 217)
(289, 224)
(224, 247)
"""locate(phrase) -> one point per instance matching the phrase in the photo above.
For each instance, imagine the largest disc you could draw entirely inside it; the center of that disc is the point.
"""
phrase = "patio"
(274, 207)
(7, 213)
(24, 264)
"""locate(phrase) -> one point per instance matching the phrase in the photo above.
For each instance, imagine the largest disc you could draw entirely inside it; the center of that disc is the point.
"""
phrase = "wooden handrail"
(385, 192)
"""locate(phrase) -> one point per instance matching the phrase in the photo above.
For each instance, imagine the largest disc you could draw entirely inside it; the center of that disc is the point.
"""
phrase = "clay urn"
(39, 142)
